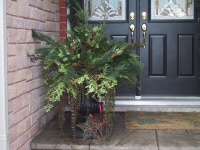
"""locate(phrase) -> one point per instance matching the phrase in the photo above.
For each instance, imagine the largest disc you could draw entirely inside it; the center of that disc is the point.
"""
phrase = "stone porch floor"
(51, 138)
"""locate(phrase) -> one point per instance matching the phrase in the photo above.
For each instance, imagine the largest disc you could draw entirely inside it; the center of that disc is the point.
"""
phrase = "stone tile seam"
(157, 140)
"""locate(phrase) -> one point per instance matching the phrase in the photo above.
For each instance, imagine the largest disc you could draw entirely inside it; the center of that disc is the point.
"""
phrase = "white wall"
(3, 79)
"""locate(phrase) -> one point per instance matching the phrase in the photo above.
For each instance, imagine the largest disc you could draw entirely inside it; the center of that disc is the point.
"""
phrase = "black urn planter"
(89, 106)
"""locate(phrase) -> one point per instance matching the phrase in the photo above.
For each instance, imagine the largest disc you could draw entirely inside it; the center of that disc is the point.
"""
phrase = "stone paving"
(51, 138)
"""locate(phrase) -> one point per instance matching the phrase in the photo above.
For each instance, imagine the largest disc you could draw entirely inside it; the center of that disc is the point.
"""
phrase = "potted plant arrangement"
(86, 65)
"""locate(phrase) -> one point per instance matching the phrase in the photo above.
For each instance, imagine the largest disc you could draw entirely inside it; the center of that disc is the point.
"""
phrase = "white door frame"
(3, 79)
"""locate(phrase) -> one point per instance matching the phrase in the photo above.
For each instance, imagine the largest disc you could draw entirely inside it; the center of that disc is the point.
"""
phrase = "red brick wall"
(63, 19)
(26, 89)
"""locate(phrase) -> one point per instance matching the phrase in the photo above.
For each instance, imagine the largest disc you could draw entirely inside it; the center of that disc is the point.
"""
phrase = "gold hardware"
(132, 28)
(132, 15)
(144, 15)
(144, 29)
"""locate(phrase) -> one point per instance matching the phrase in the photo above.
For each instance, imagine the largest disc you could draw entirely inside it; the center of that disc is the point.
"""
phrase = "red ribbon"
(101, 107)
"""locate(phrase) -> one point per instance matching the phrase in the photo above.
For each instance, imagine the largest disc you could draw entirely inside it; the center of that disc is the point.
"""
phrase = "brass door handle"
(132, 28)
(144, 29)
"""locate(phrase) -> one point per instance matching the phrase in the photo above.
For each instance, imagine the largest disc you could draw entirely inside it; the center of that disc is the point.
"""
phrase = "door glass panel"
(172, 9)
(106, 9)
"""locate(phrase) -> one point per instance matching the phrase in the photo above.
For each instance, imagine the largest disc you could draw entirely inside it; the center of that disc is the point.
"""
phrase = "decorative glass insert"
(106, 9)
(172, 9)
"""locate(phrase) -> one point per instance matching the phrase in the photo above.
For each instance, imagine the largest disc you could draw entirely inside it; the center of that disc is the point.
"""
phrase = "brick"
(55, 35)
(36, 25)
(57, 17)
(28, 24)
(24, 138)
(36, 71)
(10, 106)
(11, 63)
(11, 50)
(18, 22)
(31, 85)
(13, 133)
(12, 35)
(41, 112)
(21, 102)
(53, 7)
(63, 11)
(47, 5)
(50, 26)
(9, 21)
(43, 100)
(57, 28)
(17, 117)
(10, 77)
(37, 14)
(34, 13)
(11, 7)
(57, 10)
(63, 19)
(63, 34)
(51, 17)
(22, 87)
(36, 115)
(24, 125)
(33, 130)
(55, 1)
(21, 56)
(10, 120)
(15, 145)
(23, 8)
(62, 3)
(20, 115)
(22, 35)
(41, 4)
(42, 26)
(34, 118)
(20, 75)
(34, 101)
(42, 91)
(29, 75)
(41, 122)
(30, 51)
(12, 89)
(63, 26)
(40, 15)
(39, 82)
(26, 146)
(33, 3)
(29, 38)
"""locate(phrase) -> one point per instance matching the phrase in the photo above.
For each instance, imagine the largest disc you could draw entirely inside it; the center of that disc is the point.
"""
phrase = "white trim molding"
(3, 80)
(158, 103)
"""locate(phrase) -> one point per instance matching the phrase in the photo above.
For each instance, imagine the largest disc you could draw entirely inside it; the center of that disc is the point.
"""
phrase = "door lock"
(144, 29)
(132, 28)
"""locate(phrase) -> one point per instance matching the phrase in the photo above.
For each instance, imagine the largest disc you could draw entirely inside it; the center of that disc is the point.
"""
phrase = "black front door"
(169, 31)
(171, 56)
